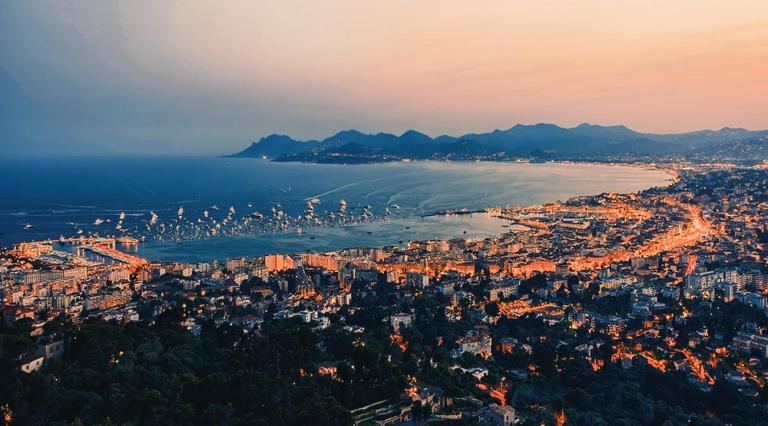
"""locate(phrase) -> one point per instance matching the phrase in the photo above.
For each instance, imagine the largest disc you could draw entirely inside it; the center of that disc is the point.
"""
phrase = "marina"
(170, 207)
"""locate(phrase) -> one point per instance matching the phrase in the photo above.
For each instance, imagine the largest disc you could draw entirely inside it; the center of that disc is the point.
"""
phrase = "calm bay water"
(59, 196)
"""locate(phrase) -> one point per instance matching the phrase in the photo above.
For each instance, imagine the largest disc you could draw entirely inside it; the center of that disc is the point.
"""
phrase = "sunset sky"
(105, 77)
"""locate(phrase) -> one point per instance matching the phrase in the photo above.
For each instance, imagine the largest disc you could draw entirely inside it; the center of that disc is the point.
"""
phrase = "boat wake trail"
(349, 185)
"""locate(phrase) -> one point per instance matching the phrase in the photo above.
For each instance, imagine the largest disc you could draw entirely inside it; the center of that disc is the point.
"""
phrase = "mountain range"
(537, 140)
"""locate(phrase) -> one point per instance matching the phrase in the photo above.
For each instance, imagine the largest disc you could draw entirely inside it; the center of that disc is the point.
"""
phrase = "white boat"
(28, 226)
(180, 212)
(98, 221)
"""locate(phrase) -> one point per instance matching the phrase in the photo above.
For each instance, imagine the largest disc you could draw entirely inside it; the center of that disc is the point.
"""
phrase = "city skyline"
(384, 213)
(135, 77)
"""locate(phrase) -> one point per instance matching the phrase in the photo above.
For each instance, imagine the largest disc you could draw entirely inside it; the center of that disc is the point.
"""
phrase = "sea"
(53, 197)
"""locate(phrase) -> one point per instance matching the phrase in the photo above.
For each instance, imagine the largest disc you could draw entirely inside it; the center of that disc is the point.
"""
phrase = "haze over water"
(80, 190)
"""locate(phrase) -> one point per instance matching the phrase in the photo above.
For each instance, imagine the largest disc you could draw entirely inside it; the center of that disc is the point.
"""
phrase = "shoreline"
(454, 212)
(670, 171)
(667, 168)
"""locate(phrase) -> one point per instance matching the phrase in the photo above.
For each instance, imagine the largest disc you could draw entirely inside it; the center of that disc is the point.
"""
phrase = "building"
(32, 362)
(476, 342)
(502, 415)
(239, 278)
(13, 313)
(260, 272)
(400, 320)
(393, 276)
(54, 349)
(417, 279)
(746, 342)
(438, 246)
(324, 261)
(278, 262)
(233, 264)
(503, 291)
(117, 275)
(507, 344)
(754, 299)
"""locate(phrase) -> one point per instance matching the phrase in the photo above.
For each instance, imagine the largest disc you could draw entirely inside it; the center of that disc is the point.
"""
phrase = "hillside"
(583, 141)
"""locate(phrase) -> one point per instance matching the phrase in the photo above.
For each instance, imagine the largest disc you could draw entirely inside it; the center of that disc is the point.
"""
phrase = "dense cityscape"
(644, 308)
(383, 213)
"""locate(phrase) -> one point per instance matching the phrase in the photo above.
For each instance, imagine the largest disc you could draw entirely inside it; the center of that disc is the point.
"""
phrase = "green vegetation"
(161, 374)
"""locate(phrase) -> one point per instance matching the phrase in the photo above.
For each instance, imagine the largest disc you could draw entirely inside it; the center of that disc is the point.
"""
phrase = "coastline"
(450, 185)
(655, 166)
(494, 211)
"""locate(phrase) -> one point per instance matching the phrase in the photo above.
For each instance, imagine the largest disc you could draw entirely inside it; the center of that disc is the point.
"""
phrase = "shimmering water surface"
(59, 196)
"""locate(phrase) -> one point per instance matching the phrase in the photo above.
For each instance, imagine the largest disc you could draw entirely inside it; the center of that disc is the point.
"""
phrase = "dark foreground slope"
(140, 374)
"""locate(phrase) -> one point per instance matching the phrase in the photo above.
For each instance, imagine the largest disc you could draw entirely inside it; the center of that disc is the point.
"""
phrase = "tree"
(492, 309)
(544, 358)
